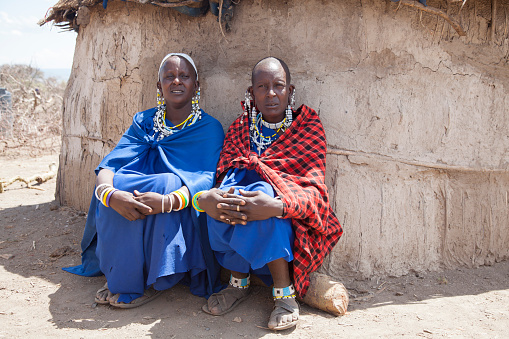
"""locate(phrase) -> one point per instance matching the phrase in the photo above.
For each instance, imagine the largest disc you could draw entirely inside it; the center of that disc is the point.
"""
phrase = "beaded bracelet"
(195, 201)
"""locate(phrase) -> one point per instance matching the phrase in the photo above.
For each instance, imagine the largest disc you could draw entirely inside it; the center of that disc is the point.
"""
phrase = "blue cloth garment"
(166, 248)
(248, 248)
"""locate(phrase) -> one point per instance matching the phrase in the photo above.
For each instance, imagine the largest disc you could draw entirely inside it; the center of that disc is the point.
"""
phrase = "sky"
(23, 41)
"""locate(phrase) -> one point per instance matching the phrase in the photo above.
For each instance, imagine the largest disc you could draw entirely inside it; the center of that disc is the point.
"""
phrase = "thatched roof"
(64, 13)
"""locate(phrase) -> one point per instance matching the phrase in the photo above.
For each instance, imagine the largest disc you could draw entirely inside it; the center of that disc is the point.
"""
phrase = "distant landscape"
(59, 73)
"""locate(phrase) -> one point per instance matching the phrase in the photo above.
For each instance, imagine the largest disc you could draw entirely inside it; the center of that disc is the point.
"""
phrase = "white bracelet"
(179, 198)
(186, 194)
(103, 193)
(171, 202)
(98, 189)
(162, 205)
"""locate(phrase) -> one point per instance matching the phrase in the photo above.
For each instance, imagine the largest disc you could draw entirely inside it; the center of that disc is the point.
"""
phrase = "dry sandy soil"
(38, 299)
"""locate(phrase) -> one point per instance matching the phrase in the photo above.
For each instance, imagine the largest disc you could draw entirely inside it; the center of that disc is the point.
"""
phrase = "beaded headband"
(182, 55)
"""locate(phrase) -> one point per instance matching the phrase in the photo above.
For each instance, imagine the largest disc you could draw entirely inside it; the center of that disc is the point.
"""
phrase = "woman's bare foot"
(103, 295)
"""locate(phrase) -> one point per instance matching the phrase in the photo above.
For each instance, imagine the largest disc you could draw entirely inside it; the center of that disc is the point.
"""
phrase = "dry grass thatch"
(64, 13)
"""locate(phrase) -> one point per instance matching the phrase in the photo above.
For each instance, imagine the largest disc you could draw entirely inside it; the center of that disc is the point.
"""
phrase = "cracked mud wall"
(416, 117)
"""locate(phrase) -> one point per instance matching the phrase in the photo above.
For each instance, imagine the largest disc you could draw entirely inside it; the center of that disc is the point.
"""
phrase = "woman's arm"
(121, 201)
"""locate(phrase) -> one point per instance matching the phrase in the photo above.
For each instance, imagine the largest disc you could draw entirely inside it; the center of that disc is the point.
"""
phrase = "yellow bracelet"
(195, 201)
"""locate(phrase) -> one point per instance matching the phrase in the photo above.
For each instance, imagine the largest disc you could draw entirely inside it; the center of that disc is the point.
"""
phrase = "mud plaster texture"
(415, 116)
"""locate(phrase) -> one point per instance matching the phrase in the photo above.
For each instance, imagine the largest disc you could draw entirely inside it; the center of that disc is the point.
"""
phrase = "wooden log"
(38, 178)
(326, 294)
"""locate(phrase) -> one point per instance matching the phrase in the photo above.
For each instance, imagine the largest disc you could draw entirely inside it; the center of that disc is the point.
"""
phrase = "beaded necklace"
(160, 119)
(261, 141)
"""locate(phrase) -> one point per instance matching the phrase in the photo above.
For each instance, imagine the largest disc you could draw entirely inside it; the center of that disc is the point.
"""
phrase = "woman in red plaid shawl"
(272, 205)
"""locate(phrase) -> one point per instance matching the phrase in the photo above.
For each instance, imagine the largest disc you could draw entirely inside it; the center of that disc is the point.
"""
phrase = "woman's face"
(271, 90)
(178, 82)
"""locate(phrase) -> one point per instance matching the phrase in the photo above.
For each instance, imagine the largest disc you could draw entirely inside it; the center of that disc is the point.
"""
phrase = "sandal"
(148, 295)
(226, 300)
(103, 292)
(284, 309)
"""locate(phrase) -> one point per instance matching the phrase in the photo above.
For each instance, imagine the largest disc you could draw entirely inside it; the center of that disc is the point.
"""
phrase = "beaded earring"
(252, 116)
(292, 98)
(289, 111)
(196, 103)
(160, 98)
(247, 102)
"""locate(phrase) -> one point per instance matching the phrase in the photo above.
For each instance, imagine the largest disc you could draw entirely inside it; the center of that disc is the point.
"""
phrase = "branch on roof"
(435, 11)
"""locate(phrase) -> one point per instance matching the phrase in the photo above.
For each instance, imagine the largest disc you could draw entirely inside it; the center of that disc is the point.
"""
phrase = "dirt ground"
(38, 299)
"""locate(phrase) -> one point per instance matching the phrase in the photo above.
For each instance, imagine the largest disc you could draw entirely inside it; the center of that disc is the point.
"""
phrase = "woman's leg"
(286, 308)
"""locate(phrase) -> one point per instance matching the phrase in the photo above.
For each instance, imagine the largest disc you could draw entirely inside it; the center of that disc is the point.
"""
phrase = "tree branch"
(436, 11)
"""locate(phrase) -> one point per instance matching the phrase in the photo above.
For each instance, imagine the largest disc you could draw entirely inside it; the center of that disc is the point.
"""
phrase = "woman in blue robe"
(147, 242)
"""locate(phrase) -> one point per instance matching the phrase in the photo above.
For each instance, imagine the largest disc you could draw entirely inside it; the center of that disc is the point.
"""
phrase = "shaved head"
(271, 62)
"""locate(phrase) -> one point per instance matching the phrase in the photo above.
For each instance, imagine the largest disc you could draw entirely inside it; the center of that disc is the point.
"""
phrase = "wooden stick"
(436, 11)
(109, 142)
(416, 163)
(493, 19)
(40, 178)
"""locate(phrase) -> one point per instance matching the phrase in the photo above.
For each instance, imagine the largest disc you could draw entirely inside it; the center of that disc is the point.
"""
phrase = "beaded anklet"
(284, 293)
(240, 283)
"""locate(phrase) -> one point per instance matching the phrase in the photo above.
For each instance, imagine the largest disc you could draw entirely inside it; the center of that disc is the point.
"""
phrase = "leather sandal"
(284, 307)
(100, 293)
(226, 300)
(148, 295)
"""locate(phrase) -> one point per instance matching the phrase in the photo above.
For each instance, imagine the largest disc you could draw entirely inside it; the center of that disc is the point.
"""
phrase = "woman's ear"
(196, 85)
(250, 91)
(159, 86)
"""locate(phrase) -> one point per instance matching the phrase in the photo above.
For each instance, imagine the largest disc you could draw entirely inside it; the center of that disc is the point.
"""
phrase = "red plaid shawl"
(295, 167)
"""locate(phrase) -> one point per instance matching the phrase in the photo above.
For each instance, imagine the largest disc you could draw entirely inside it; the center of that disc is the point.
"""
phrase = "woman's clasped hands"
(236, 209)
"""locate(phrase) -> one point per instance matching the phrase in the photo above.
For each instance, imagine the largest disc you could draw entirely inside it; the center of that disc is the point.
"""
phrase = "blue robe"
(163, 249)
(249, 248)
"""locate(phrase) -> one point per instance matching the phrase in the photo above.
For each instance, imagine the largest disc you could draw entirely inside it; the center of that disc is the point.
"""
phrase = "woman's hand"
(153, 200)
(125, 204)
(257, 206)
(210, 201)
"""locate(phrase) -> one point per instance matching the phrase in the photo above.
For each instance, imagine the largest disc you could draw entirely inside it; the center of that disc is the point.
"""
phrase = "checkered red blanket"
(295, 167)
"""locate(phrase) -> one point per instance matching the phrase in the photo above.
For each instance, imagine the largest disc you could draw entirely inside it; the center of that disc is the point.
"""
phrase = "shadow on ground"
(38, 240)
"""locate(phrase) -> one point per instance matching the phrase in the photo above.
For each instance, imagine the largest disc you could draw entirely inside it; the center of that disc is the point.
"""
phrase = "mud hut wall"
(415, 117)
